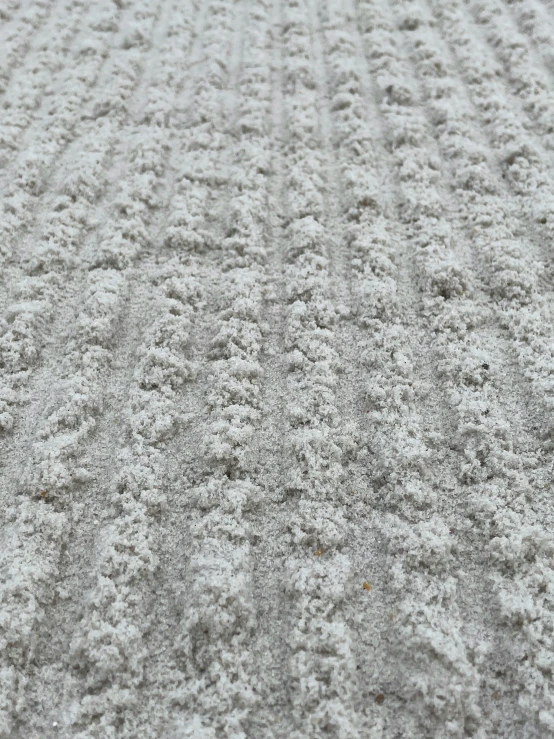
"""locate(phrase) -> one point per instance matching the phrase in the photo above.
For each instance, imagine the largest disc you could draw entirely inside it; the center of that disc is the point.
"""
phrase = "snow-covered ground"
(276, 369)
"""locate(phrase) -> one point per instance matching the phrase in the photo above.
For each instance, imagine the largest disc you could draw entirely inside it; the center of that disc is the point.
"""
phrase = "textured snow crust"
(276, 369)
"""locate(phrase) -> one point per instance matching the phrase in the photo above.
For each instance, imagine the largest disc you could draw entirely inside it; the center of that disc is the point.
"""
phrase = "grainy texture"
(276, 369)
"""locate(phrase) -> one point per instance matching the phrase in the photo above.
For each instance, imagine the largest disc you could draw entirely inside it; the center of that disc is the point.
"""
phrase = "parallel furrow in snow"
(202, 177)
(39, 288)
(513, 280)
(114, 617)
(537, 24)
(489, 445)
(32, 84)
(46, 506)
(276, 369)
(323, 677)
(353, 168)
(28, 177)
(528, 80)
(107, 652)
(16, 34)
(221, 697)
(197, 206)
(521, 155)
(415, 523)
(93, 94)
(506, 248)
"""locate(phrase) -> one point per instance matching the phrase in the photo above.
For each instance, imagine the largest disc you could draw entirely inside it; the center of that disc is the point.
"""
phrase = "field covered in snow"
(276, 369)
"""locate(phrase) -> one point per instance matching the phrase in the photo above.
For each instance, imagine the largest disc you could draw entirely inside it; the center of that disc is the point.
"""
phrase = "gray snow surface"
(276, 369)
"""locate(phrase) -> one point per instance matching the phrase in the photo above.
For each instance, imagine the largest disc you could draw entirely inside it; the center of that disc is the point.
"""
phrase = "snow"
(276, 359)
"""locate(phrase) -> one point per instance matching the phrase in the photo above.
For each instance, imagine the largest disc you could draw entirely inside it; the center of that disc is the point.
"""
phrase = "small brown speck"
(496, 695)
(366, 586)
(379, 698)
(43, 493)
(318, 552)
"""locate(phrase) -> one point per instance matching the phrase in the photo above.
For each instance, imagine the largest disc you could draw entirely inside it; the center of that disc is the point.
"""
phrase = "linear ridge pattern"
(276, 369)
